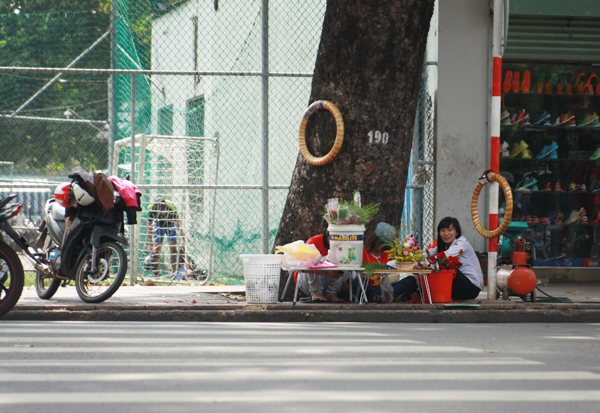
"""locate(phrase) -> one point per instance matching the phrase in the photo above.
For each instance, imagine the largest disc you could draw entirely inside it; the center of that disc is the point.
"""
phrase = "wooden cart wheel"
(339, 136)
(489, 176)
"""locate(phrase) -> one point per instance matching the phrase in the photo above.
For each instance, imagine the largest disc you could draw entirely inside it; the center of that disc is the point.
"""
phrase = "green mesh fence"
(199, 137)
(50, 123)
(217, 84)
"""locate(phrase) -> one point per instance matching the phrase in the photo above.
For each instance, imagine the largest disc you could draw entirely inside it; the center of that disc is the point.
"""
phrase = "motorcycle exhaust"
(47, 270)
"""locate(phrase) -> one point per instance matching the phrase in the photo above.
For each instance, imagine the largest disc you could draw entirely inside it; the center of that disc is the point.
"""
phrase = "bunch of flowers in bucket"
(440, 261)
(340, 212)
(406, 250)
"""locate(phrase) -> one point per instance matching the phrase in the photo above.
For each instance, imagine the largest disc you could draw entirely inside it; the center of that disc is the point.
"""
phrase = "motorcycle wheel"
(201, 276)
(111, 268)
(45, 285)
(12, 278)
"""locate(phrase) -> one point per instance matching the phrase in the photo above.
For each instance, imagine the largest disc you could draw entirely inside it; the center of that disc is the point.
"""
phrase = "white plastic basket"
(261, 277)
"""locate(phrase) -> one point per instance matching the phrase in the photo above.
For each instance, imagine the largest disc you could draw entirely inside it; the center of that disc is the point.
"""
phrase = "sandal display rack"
(550, 153)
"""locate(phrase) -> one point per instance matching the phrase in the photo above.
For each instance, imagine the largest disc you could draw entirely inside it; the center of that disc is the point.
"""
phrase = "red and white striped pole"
(496, 108)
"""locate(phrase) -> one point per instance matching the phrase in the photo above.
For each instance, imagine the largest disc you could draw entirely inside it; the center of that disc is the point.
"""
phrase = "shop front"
(549, 124)
(550, 129)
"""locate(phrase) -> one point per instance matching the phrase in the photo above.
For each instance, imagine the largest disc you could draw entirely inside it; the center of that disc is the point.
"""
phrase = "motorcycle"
(79, 243)
(12, 276)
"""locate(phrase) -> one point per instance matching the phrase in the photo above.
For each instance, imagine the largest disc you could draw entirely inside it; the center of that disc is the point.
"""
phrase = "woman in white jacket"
(468, 282)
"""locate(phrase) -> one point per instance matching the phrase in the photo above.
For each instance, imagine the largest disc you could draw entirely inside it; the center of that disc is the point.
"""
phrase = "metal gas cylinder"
(519, 280)
(502, 275)
(522, 281)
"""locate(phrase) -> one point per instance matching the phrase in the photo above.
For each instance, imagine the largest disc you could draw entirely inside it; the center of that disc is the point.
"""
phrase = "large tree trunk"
(369, 65)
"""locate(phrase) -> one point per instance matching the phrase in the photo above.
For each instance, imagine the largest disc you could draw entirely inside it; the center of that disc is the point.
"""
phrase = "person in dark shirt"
(321, 286)
(163, 221)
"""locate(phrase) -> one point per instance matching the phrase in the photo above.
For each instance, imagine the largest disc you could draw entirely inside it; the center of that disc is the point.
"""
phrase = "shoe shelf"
(555, 105)
(535, 162)
(548, 129)
(568, 245)
(557, 196)
(550, 154)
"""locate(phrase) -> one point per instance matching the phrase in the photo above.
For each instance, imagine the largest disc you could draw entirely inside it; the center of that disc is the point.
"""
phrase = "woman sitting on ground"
(468, 282)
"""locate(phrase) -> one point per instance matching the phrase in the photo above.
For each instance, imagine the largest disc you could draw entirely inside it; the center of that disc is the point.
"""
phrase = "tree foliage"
(45, 6)
(52, 33)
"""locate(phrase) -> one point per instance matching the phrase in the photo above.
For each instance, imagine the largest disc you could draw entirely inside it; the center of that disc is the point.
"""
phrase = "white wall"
(230, 40)
(462, 152)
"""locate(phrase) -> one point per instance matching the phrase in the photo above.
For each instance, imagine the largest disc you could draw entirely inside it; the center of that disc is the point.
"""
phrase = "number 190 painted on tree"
(378, 138)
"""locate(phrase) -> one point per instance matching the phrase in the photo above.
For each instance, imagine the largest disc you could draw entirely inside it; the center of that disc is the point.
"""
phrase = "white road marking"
(241, 374)
(572, 337)
(291, 396)
(336, 362)
(148, 341)
(239, 349)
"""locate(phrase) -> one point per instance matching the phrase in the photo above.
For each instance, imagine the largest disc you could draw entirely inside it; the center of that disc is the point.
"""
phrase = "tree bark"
(369, 65)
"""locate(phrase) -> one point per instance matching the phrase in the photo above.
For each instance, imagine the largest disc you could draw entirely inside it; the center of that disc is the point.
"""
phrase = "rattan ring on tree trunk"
(490, 176)
(339, 136)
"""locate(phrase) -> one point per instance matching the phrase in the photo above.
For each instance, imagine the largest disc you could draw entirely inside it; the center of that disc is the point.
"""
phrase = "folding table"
(338, 268)
(421, 278)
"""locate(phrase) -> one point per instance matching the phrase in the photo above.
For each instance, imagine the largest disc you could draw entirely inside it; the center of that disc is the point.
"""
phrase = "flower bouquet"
(406, 252)
(441, 261)
(340, 212)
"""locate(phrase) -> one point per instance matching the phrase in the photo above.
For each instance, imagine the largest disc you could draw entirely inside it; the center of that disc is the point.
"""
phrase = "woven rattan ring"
(339, 135)
(489, 176)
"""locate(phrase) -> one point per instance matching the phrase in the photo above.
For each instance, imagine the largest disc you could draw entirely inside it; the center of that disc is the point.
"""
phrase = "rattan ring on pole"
(489, 176)
(339, 136)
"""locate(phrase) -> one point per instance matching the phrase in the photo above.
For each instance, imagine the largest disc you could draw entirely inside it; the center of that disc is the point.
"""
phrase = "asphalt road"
(298, 367)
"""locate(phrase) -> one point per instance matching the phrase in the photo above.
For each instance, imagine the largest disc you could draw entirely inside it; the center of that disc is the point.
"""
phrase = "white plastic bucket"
(261, 277)
(346, 244)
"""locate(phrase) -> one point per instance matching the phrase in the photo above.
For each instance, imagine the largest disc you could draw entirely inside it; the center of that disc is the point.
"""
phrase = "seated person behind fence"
(321, 286)
(163, 222)
(375, 250)
(468, 282)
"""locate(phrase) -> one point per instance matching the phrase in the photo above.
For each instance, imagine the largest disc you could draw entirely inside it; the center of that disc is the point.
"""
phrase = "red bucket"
(440, 286)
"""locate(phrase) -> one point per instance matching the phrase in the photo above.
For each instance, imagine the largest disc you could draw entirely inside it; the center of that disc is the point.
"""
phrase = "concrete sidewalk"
(555, 303)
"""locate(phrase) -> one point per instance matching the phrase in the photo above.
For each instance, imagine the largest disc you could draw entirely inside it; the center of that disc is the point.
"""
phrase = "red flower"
(441, 261)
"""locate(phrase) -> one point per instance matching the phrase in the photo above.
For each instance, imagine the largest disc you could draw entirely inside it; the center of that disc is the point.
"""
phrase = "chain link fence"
(418, 214)
(198, 102)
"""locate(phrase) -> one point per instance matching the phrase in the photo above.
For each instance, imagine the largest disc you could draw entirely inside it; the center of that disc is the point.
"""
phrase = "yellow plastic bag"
(298, 254)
